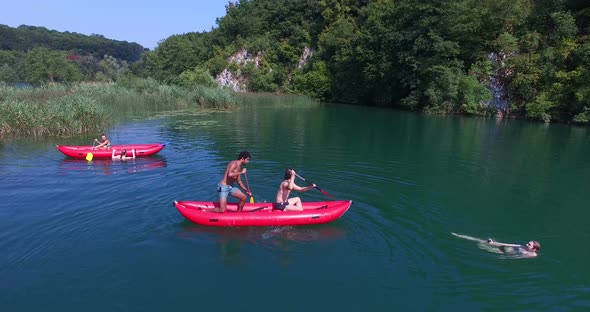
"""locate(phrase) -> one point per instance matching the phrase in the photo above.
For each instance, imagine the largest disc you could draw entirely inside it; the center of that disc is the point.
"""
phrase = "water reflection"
(278, 240)
(108, 166)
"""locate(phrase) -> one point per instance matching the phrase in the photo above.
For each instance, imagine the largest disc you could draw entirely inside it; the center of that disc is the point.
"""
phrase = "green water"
(104, 236)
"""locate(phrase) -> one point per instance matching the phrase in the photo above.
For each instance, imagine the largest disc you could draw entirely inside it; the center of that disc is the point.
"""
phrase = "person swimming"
(528, 250)
(511, 250)
(123, 155)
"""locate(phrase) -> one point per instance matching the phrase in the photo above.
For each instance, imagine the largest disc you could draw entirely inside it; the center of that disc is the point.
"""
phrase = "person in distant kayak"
(123, 155)
(232, 174)
(105, 144)
(283, 202)
(528, 250)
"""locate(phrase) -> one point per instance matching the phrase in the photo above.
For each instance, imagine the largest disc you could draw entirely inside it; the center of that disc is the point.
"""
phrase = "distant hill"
(24, 38)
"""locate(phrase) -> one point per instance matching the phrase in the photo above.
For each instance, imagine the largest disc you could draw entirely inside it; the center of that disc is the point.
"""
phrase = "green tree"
(540, 108)
(24, 38)
(336, 47)
(564, 26)
(12, 67)
(472, 95)
(523, 78)
(177, 54)
(197, 76)
(7, 73)
(423, 55)
(112, 68)
(506, 43)
(44, 65)
(315, 82)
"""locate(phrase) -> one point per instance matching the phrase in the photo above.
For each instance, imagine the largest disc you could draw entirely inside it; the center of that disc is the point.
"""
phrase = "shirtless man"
(528, 250)
(232, 174)
(105, 144)
(283, 202)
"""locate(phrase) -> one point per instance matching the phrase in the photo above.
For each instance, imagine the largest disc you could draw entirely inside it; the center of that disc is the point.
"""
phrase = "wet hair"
(123, 152)
(287, 174)
(244, 155)
(536, 246)
(103, 135)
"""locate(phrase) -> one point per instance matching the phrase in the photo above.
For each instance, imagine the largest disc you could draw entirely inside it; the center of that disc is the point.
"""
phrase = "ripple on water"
(273, 239)
(395, 218)
(110, 228)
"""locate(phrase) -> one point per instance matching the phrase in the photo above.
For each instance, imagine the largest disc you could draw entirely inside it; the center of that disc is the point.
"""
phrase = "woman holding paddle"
(283, 202)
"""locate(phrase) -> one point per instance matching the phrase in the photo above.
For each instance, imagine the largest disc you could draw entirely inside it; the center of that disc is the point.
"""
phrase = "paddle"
(319, 189)
(89, 155)
(248, 185)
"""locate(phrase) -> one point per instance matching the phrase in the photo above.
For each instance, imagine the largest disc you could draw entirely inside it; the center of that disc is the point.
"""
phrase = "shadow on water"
(233, 241)
(108, 166)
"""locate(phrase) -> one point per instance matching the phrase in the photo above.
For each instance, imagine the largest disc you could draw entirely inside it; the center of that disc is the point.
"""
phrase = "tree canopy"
(512, 57)
(24, 38)
(38, 55)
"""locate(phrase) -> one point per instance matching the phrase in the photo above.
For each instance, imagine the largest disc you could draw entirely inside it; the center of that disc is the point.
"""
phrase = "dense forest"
(512, 57)
(24, 37)
(517, 58)
(37, 55)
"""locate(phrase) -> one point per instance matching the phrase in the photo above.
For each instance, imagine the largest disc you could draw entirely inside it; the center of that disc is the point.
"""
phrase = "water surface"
(104, 236)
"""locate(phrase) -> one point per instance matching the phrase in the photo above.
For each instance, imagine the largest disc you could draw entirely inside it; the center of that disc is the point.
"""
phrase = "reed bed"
(84, 108)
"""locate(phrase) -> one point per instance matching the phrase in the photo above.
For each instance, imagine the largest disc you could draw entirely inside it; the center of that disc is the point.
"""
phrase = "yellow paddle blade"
(89, 156)
(252, 200)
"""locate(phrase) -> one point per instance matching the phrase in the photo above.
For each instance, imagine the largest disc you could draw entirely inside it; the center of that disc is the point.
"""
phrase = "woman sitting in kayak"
(123, 155)
(105, 144)
(283, 202)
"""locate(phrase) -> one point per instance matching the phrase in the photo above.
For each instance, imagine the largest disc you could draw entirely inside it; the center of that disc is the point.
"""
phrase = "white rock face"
(227, 79)
(305, 56)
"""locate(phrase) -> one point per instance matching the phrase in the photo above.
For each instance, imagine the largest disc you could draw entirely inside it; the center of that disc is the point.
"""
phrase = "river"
(104, 235)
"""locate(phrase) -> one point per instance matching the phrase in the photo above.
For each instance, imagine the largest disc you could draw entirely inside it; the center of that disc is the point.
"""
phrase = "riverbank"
(57, 109)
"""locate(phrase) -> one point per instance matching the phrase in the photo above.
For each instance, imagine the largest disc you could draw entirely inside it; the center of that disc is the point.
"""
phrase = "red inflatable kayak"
(81, 151)
(262, 214)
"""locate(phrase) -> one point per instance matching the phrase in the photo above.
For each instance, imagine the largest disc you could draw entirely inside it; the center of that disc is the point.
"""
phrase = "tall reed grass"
(83, 108)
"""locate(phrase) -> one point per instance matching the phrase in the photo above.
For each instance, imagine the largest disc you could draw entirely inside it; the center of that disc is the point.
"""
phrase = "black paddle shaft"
(319, 189)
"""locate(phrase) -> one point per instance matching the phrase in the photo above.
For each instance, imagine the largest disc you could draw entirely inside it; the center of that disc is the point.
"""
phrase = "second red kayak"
(82, 151)
(261, 214)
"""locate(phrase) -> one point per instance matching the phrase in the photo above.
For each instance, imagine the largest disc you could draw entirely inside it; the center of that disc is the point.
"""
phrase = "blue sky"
(146, 22)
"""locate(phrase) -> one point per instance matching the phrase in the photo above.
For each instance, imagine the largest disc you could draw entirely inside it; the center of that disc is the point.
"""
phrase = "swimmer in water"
(528, 250)
(524, 251)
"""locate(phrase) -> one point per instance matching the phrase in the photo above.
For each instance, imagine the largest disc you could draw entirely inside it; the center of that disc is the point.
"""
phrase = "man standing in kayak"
(283, 202)
(232, 174)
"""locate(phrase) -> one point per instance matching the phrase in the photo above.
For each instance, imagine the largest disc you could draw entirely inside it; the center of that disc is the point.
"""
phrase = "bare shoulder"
(231, 165)
(529, 253)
